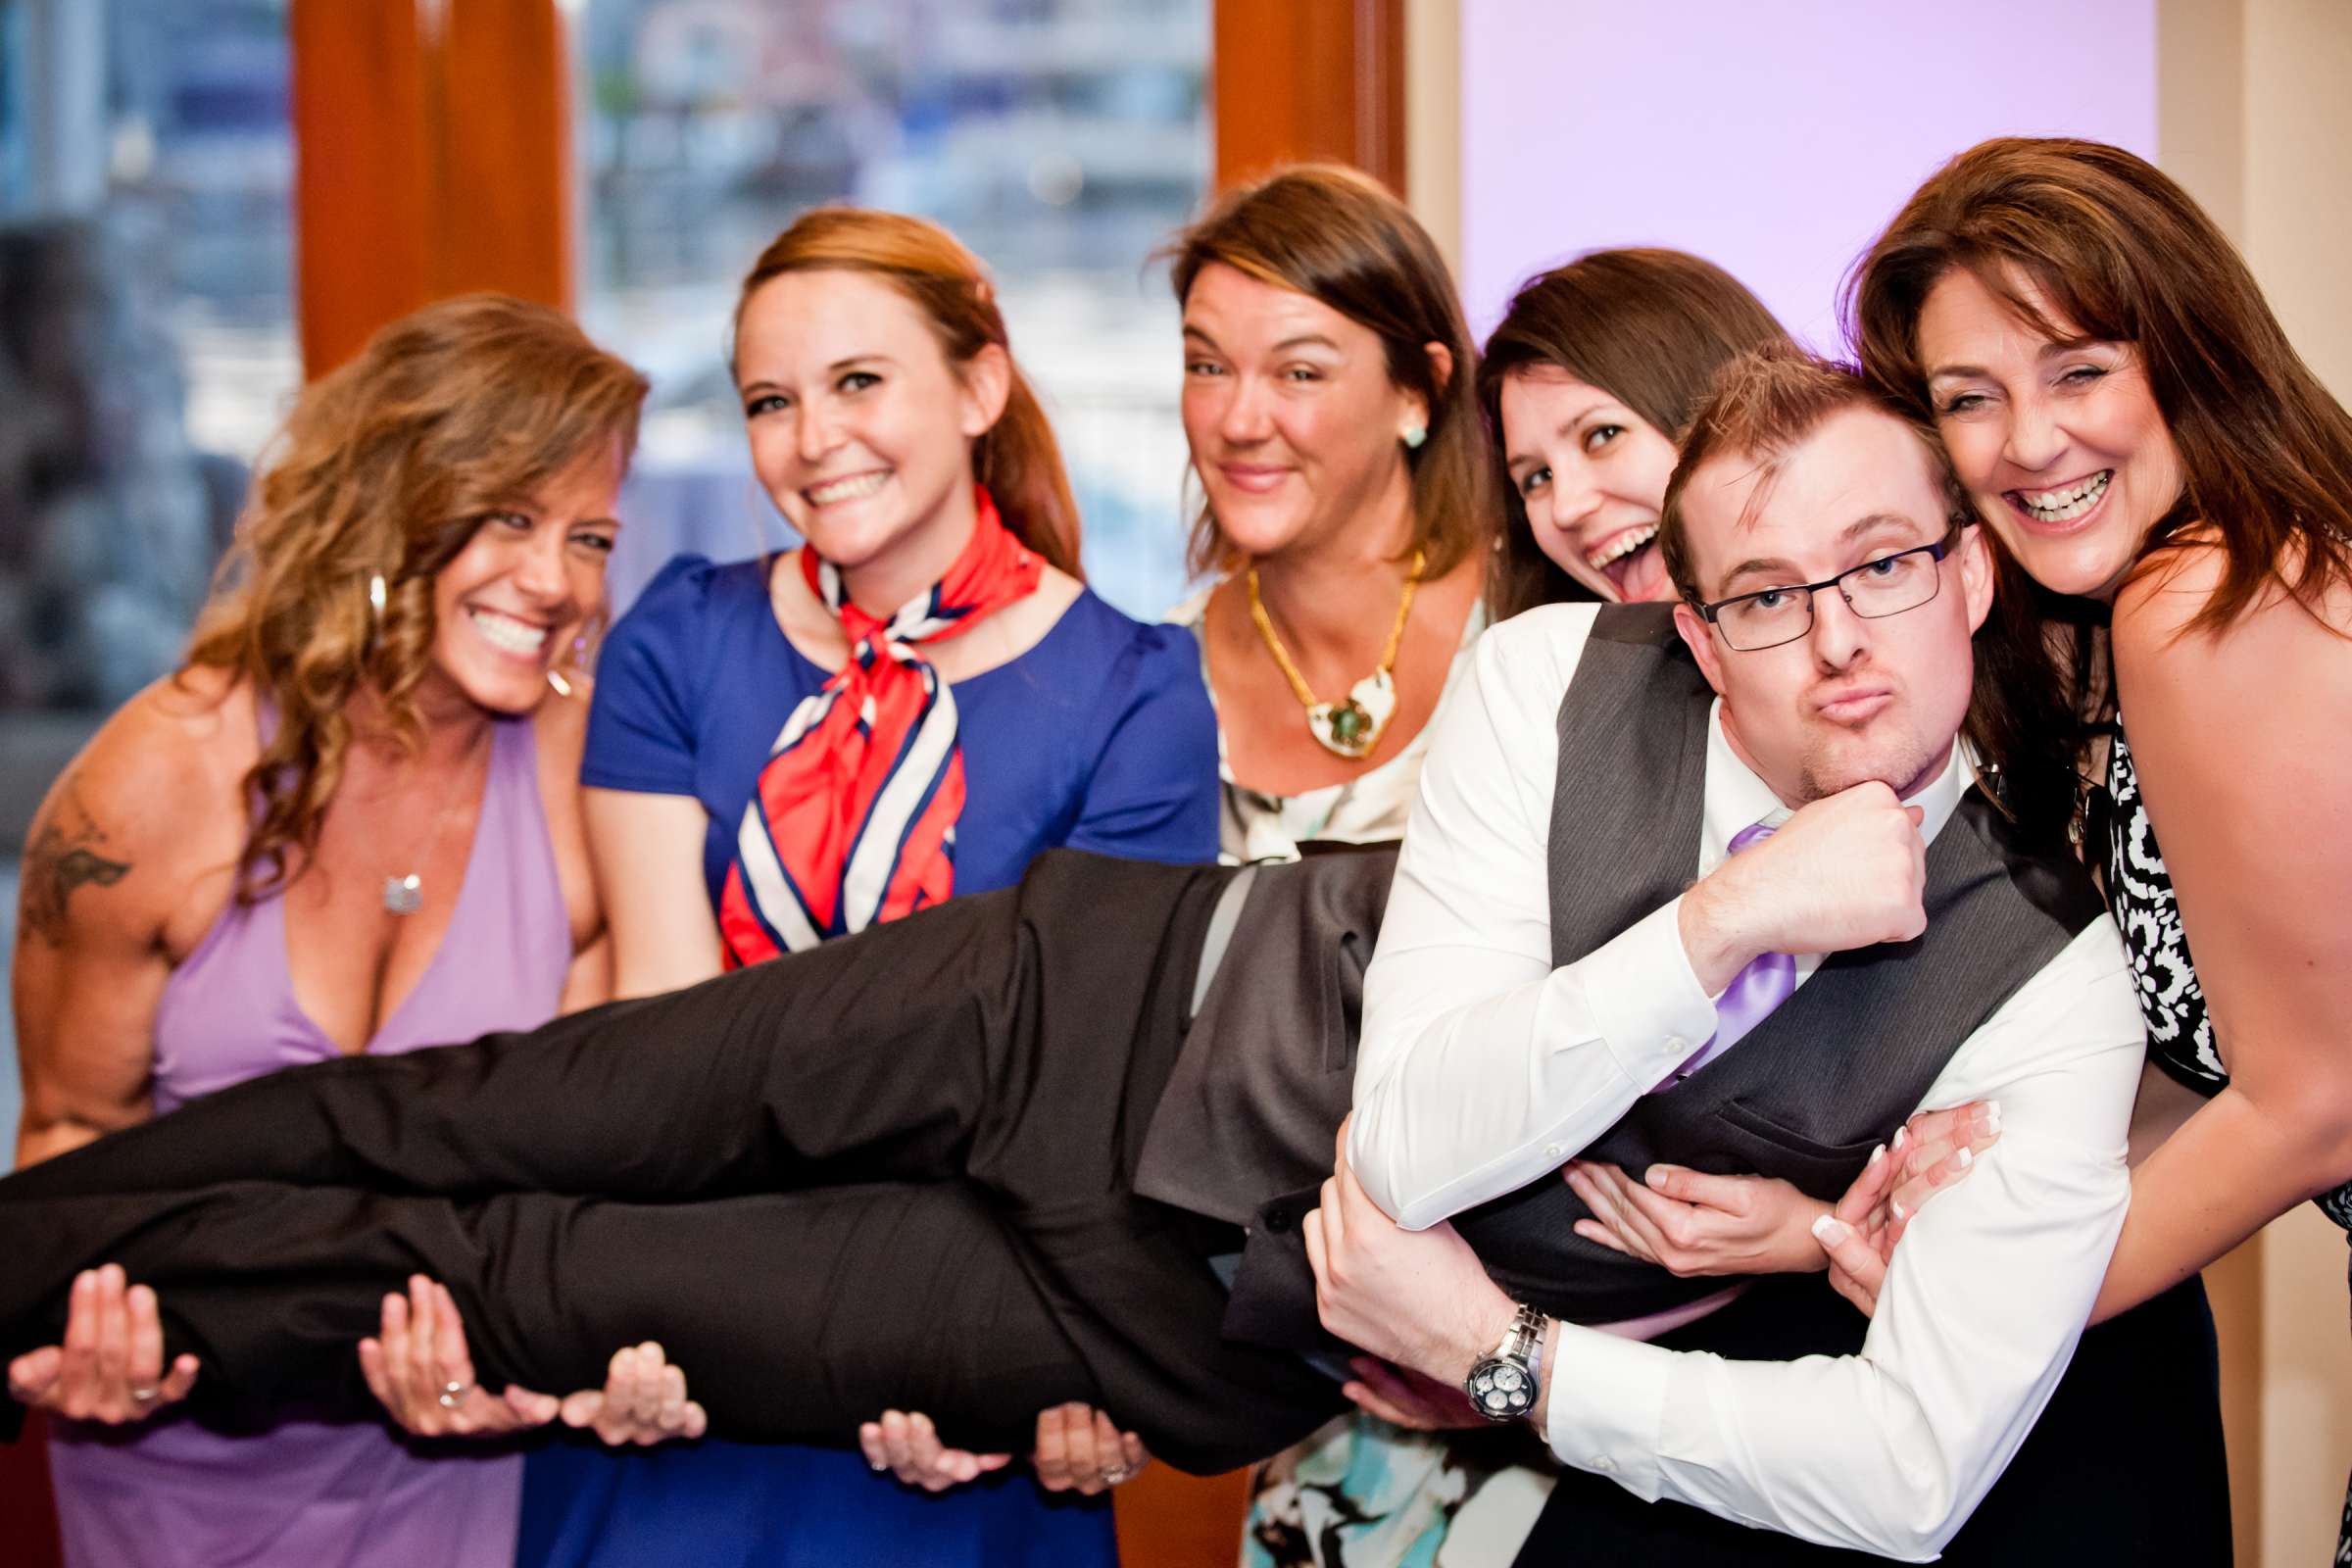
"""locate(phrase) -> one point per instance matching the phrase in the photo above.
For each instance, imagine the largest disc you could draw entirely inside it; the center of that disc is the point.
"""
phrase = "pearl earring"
(1413, 435)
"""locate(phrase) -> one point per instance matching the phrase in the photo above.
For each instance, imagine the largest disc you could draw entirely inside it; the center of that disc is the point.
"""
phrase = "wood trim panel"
(363, 182)
(504, 152)
(1308, 79)
(28, 1516)
(431, 149)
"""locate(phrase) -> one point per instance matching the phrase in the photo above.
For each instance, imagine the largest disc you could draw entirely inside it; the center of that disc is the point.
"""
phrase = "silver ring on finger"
(1113, 1475)
(454, 1393)
(146, 1396)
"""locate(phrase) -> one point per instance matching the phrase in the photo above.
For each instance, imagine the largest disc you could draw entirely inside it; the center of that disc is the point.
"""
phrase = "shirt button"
(1556, 1151)
(1676, 1042)
(1603, 1464)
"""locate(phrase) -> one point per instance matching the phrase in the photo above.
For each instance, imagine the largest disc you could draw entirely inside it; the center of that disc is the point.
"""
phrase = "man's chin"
(1904, 774)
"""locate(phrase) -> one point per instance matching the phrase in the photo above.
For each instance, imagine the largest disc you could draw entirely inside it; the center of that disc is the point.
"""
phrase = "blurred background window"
(1062, 140)
(146, 322)
(146, 351)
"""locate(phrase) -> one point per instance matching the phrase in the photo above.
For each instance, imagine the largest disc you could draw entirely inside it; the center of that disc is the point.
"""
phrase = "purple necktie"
(1769, 980)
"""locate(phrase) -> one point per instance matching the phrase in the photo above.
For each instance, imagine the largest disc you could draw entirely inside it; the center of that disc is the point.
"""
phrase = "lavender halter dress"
(308, 1495)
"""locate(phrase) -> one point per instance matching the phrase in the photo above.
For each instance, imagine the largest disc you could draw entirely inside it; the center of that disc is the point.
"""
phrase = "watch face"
(1498, 1389)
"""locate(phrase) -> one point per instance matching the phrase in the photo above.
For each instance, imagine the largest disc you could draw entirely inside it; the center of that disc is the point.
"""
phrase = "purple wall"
(1772, 137)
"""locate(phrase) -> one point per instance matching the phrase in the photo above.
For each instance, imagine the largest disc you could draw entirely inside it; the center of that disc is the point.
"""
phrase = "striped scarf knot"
(854, 819)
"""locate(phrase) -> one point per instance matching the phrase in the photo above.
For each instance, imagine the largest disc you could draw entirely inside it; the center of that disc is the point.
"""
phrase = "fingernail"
(1992, 1115)
(1655, 1176)
(1901, 1133)
(1878, 1155)
(87, 1279)
(1964, 1158)
(1829, 1230)
(1897, 1205)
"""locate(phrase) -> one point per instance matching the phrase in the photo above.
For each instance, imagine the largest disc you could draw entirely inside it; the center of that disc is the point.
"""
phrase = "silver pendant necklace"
(405, 895)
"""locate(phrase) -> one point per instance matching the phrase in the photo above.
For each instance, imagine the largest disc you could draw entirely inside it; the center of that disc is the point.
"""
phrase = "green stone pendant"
(1350, 727)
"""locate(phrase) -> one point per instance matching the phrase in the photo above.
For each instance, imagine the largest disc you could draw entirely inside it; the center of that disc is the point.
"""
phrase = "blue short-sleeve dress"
(1100, 737)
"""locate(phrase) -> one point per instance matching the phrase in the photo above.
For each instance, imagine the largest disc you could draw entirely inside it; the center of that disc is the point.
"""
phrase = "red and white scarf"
(854, 817)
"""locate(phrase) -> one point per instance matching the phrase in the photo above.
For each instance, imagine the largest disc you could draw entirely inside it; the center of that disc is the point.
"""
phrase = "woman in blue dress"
(910, 705)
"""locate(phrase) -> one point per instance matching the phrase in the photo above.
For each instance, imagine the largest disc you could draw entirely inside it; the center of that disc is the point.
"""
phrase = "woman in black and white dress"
(2137, 430)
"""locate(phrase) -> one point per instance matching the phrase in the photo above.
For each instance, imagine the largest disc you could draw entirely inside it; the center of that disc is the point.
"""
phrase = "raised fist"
(1845, 872)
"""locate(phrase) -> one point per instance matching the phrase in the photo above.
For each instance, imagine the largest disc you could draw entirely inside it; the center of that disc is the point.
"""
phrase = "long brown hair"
(384, 471)
(2120, 251)
(1018, 458)
(1650, 328)
(1338, 236)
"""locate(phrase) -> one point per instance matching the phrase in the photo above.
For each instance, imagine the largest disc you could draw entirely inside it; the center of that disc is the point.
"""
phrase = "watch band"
(1504, 1386)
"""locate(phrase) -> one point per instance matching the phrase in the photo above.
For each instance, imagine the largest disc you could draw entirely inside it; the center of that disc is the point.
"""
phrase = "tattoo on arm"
(66, 853)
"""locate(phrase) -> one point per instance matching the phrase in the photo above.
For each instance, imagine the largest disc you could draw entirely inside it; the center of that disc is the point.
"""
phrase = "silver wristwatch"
(1504, 1385)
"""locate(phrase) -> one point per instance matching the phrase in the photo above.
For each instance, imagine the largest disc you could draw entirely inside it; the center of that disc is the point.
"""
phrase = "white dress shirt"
(1483, 1068)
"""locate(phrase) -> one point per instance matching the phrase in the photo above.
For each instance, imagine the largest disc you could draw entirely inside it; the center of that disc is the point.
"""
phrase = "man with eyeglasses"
(1065, 1142)
(1868, 934)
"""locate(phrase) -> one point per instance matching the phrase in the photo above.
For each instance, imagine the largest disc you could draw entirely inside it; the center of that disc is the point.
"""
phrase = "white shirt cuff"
(1608, 1406)
(1644, 1000)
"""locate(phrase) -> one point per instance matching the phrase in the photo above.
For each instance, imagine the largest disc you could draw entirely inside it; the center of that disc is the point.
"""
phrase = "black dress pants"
(2124, 1466)
(889, 1171)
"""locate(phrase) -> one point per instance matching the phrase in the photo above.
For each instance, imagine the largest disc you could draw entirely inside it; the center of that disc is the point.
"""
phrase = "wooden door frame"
(433, 144)
(1297, 79)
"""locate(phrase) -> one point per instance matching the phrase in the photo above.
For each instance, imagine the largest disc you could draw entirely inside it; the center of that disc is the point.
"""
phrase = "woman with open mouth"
(1587, 384)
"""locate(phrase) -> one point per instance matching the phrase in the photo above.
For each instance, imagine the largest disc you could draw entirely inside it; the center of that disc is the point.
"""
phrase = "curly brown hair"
(383, 470)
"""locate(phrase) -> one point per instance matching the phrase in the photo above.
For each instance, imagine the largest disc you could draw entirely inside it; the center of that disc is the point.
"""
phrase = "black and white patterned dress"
(2179, 1030)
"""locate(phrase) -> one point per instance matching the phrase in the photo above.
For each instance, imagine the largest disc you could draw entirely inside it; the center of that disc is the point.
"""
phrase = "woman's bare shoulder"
(151, 804)
(172, 755)
(2159, 604)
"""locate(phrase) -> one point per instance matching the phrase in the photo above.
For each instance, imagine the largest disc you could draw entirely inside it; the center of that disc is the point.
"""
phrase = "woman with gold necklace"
(1350, 505)
(1348, 496)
